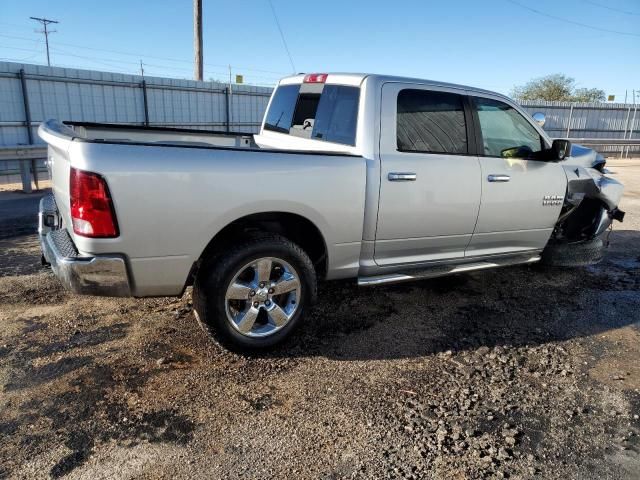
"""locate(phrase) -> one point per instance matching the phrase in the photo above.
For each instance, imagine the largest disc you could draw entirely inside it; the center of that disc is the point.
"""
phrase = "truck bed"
(118, 133)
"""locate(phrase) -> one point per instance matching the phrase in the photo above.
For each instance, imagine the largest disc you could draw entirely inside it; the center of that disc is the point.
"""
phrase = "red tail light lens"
(315, 78)
(92, 211)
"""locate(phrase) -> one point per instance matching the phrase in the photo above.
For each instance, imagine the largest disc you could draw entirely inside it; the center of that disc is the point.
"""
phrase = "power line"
(45, 22)
(147, 64)
(146, 72)
(613, 9)
(565, 20)
(138, 55)
(105, 61)
(145, 56)
(284, 42)
(30, 57)
(158, 70)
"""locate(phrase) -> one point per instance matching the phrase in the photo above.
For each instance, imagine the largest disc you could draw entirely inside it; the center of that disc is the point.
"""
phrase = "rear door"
(430, 183)
(521, 194)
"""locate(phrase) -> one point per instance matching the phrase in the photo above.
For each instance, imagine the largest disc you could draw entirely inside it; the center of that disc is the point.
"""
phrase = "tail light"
(92, 211)
(315, 78)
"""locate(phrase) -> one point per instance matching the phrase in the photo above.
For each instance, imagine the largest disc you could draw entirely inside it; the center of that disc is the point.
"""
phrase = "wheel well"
(294, 227)
(582, 222)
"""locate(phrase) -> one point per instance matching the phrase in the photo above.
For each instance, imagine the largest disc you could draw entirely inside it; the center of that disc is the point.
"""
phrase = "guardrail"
(606, 141)
(625, 143)
(27, 156)
(23, 152)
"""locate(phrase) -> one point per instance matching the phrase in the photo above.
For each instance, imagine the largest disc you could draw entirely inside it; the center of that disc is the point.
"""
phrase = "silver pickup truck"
(383, 179)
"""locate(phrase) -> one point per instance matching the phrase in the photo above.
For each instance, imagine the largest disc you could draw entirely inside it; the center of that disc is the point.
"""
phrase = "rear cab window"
(317, 111)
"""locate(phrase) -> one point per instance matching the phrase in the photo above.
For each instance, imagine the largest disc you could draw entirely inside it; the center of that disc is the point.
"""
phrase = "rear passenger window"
(431, 122)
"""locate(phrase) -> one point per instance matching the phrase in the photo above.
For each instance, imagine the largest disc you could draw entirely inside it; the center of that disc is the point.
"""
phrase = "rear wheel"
(253, 296)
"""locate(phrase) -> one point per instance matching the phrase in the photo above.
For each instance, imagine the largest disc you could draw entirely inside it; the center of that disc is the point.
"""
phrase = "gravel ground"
(514, 373)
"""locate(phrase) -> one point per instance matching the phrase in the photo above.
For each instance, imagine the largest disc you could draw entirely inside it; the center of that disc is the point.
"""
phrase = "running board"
(442, 270)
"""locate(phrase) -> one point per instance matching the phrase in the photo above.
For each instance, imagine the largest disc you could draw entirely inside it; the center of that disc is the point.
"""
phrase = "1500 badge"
(552, 200)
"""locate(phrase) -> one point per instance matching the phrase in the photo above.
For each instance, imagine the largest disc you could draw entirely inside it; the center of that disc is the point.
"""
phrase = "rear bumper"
(104, 275)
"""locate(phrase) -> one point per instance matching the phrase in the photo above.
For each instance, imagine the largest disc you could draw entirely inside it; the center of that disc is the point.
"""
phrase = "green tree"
(557, 87)
(588, 95)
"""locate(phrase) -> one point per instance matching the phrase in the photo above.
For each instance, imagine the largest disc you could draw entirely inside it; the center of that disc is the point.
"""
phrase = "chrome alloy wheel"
(262, 297)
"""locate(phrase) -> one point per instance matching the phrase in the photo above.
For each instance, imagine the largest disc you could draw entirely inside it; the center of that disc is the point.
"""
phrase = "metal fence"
(30, 94)
(606, 121)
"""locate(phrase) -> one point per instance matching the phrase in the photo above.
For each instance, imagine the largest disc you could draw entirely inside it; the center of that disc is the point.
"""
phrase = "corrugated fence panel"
(590, 120)
(12, 130)
(94, 96)
(70, 94)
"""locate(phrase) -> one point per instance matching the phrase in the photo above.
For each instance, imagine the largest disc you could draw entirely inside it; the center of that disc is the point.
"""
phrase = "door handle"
(498, 178)
(402, 177)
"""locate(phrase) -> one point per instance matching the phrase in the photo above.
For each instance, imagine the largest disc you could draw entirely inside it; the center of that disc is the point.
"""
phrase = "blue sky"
(494, 44)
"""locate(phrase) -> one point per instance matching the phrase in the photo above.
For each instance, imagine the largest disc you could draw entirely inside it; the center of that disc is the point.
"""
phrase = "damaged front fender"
(591, 204)
(582, 156)
(591, 183)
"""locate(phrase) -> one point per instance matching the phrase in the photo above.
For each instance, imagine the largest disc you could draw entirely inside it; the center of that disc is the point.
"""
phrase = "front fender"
(591, 183)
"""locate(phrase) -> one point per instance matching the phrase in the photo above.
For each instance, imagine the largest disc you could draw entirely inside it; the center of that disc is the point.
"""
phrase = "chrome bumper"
(104, 275)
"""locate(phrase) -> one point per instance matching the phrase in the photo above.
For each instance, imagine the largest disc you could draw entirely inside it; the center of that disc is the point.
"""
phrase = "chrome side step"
(442, 270)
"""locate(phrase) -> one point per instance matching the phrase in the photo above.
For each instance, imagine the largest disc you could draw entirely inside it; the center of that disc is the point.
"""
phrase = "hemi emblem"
(552, 200)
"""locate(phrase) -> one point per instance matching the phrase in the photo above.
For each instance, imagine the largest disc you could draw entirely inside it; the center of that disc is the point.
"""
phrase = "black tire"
(215, 275)
(579, 254)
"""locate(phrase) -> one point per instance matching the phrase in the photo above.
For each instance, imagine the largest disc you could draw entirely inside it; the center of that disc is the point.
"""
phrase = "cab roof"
(356, 79)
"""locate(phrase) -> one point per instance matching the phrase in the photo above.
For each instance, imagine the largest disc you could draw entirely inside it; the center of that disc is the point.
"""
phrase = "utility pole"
(197, 39)
(46, 31)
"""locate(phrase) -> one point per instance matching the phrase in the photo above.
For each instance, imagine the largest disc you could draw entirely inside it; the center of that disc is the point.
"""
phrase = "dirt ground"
(514, 373)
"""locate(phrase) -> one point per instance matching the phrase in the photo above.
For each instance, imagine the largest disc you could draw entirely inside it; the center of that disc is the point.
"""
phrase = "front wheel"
(254, 295)
(577, 254)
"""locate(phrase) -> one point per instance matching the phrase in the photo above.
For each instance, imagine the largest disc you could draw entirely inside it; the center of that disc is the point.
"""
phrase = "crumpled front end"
(582, 156)
(590, 206)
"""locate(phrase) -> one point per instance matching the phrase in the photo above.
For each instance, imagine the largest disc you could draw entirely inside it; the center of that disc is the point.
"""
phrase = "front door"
(430, 184)
(521, 196)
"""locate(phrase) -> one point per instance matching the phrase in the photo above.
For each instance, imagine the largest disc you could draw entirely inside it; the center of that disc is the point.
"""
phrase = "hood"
(584, 157)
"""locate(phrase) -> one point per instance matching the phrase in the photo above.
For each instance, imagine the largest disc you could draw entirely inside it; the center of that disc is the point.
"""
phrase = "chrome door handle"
(498, 178)
(401, 177)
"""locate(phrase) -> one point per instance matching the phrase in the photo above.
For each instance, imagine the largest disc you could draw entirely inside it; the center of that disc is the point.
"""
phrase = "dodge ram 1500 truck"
(379, 178)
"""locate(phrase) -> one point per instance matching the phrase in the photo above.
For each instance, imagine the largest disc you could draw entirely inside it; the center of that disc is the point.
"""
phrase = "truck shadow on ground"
(519, 306)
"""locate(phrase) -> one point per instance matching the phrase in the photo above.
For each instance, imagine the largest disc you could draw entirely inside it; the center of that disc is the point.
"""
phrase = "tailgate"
(58, 137)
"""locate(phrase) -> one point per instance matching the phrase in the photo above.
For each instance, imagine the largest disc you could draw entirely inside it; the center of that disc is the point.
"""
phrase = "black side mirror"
(561, 149)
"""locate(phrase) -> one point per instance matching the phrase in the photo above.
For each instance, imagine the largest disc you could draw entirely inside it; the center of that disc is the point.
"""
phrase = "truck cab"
(454, 172)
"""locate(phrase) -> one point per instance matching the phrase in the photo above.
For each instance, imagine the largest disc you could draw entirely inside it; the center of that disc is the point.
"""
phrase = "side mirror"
(561, 149)
(539, 118)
